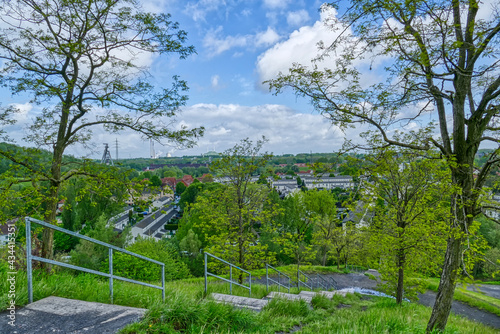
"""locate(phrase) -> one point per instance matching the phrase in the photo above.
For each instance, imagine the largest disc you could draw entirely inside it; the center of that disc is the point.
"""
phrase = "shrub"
(132, 267)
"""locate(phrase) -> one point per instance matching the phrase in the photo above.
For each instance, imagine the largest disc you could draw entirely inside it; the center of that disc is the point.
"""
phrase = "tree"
(180, 187)
(295, 228)
(232, 216)
(407, 235)
(79, 60)
(322, 209)
(342, 242)
(432, 57)
(155, 181)
(90, 255)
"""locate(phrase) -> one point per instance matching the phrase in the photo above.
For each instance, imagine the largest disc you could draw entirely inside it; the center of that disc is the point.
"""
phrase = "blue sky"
(239, 45)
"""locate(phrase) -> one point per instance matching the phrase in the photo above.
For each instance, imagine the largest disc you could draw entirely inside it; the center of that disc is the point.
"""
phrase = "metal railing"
(334, 283)
(299, 282)
(30, 258)
(279, 278)
(230, 280)
(321, 282)
(355, 268)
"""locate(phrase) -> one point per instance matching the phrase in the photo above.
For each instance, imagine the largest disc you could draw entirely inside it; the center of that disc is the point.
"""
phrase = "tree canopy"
(437, 80)
(80, 63)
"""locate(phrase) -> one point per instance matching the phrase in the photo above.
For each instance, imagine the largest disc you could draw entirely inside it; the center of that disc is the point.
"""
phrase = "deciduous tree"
(78, 60)
(436, 58)
(232, 216)
(409, 196)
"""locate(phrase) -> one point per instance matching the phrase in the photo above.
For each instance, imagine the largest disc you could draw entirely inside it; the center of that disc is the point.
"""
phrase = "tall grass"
(188, 310)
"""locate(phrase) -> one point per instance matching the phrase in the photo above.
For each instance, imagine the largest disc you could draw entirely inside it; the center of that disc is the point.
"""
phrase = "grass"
(352, 314)
(475, 299)
(491, 283)
(187, 310)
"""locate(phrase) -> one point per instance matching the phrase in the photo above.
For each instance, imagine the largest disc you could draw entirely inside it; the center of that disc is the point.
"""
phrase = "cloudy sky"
(239, 45)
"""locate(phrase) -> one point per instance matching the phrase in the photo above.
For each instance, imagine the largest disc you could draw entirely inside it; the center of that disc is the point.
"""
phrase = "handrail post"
(163, 282)
(28, 261)
(279, 281)
(230, 279)
(267, 280)
(205, 273)
(250, 285)
(110, 255)
(298, 280)
(30, 258)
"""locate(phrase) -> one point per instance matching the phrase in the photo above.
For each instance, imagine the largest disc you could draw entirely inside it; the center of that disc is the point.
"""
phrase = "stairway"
(258, 304)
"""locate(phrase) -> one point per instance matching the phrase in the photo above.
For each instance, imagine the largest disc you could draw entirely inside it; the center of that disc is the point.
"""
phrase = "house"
(168, 182)
(341, 181)
(187, 180)
(60, 206)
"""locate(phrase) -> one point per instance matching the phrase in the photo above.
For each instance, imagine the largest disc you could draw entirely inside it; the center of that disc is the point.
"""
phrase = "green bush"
(132, 267)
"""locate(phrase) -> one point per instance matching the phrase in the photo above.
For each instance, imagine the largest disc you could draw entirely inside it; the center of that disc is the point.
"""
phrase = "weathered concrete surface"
(68, 316)
(289, 296)
(328, 294)
(240, 302)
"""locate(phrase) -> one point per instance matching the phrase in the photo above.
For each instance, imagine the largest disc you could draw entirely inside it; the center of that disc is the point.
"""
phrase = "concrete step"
(328, 294)
(240, 302)
(61, 315)
(289, 296)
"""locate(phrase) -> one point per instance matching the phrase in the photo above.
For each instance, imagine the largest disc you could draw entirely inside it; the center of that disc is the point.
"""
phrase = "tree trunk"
(462, 212)
(444, 298)
(400, 287)
(324, 257)
(51, 209)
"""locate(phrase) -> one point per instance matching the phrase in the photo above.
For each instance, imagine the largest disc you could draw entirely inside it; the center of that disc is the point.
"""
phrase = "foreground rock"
(68, 316)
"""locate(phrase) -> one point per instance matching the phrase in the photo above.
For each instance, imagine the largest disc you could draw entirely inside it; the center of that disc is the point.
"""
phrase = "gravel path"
(427, 299)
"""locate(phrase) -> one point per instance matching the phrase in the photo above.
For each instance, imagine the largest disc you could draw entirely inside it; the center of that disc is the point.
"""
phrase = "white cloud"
(276, 4)
(287, 131)
(300, 47)
(298, 18)
(215, 81)
(216, 43)
(198, 10)
(266, 38)
(22, 111)
(156, 6)
(225, 125)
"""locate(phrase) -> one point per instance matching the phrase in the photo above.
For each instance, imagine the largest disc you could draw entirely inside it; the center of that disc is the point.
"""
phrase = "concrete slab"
(289, 296)
(328, 294)
(240, 302)
(68, 316)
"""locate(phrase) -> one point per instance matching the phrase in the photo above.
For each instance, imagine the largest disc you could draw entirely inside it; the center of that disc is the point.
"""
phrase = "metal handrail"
(30, 258)
(355, 268)
(318, 282)
(230, 280)
(334, 283)
(303, 282)
(279, 278)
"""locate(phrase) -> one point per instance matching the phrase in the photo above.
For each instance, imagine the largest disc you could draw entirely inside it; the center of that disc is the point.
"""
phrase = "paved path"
(362, 281)
(68, 316)
(488, 290)
(428, 298)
